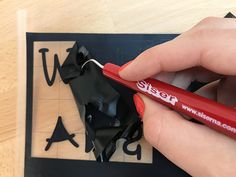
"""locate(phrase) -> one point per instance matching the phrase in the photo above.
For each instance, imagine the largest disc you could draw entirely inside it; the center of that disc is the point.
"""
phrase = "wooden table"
(92, 16)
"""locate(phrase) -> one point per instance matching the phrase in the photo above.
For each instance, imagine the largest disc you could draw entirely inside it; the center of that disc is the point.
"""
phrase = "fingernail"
(139, 104)
(124, 66)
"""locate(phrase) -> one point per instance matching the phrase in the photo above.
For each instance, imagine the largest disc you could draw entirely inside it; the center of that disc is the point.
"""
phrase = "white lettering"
(148, 88)
(208, 118)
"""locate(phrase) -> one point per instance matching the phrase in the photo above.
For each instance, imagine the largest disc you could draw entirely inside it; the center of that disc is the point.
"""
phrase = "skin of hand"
(206, 53)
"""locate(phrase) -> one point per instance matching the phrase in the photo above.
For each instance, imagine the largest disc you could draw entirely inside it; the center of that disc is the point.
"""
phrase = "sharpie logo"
(147, 87)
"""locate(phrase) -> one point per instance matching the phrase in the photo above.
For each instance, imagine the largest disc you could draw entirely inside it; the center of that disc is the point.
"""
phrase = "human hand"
(206, 53)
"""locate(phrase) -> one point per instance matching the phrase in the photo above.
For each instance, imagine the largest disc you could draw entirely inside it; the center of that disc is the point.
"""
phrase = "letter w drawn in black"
(56, 67)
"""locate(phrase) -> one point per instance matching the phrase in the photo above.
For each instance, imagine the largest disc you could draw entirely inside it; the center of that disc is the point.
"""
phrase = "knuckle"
(204, 27)
(207, 21)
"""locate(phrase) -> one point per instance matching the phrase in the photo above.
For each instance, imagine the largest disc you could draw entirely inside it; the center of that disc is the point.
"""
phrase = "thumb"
(180, 140)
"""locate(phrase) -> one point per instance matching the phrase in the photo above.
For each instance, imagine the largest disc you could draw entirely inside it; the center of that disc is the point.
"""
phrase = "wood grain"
(123, 16)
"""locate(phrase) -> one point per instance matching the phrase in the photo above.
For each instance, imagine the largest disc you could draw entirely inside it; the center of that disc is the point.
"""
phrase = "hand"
(205, 53)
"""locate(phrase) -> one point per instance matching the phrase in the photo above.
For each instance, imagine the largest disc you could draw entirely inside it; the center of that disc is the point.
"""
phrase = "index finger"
(213, 49)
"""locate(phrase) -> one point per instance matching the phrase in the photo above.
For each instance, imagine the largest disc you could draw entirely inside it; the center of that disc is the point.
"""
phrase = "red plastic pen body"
(215, 115)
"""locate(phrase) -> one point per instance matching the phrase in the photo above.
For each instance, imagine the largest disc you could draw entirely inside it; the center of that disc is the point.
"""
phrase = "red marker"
(213, 114)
